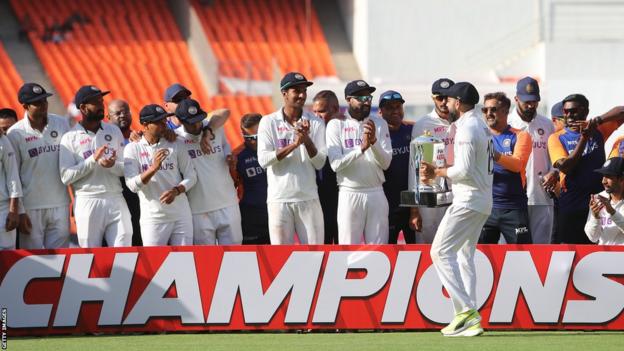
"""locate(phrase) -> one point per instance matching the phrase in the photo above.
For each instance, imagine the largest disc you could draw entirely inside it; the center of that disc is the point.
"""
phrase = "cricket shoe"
(474, 330)
(462, 322)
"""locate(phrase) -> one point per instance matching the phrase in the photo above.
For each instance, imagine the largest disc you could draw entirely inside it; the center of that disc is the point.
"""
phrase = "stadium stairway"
(23, 58)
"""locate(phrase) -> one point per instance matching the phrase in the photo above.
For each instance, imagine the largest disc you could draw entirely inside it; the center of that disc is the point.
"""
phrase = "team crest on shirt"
(54, 133)
(506, 142)
(108, 137)
(540, 131)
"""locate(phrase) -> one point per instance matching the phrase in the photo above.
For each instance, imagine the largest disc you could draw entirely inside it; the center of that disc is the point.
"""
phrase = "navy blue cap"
(292, 79)
(189, 111)
(87, 92)
(527, 89)
(614, 167)
(390, 95)
(357, 86)
(153, 113)
(464, 92)
(557, 110)
(175, 89)
(31, 92)
(580, 98)
(441, 85)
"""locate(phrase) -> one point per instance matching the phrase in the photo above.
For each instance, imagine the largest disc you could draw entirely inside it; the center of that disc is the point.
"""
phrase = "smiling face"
(393, 113)
(495, 114)
(295, 96)
(573, 113)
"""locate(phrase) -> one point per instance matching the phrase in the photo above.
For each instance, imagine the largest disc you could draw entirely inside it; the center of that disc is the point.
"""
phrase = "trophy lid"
(427, 138)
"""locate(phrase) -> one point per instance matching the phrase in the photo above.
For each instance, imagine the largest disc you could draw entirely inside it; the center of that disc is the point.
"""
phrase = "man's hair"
(6, 113)
(250, 119)
(498, 96)
(328, 96)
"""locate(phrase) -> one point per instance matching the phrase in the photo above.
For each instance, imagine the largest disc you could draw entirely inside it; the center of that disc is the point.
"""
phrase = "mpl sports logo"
(296, 287)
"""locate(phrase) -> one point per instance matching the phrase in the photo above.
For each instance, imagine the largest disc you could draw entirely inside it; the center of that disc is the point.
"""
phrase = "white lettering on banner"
(519, 274)
(336, 285)
(400, 291)
(14, 285)
(438, 308)
(78, 287)
(179, 269)
(590, 279)
(240, 272)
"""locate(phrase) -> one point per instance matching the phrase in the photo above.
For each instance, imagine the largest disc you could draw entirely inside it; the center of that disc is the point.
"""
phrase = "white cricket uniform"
(161, 224)
(46, 200)
(608, 229)
(100, 210)
(10, 188)
(452, 251)
(445, 131)
(541, 208)
(213, 199)
(362, 204)
(292, 197)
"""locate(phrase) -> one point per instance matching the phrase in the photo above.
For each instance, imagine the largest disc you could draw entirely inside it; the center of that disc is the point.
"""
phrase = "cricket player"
(161, 172)
(291, 147)
(213, 199)
(359, 150)
(439, 125)
(605, 223)
(10, 193)
(91, 161)
(452, 251)
(36, 138)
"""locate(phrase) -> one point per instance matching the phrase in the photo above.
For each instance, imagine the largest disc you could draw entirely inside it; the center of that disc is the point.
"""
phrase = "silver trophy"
(426, 192)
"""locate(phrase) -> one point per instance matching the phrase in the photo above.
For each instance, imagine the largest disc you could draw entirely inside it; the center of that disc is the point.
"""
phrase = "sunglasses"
(395, 96)
(440, 97)
(363, 98)
(250, 137)
(570, 110)
(487, 110)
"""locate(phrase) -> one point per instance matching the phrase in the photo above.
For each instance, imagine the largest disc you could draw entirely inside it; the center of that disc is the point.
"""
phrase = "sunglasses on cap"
(363, 98)
(250, 136)
(487, 110)
(395, 96)
(439, 97)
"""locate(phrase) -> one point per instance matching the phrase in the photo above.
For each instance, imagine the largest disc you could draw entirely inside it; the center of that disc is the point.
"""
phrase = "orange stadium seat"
(10, 82)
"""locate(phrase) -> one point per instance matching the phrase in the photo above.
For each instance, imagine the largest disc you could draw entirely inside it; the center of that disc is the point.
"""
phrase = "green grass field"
(413, 341)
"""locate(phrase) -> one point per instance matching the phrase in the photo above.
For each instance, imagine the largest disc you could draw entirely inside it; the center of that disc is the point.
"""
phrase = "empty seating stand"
(10, 82)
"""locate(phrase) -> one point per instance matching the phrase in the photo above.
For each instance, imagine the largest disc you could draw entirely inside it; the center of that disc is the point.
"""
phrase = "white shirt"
(214, 188)
(617, 134)
(292, 179)
(77, 162)
(540, 128)
(608, 229)
(10, 185)
(37, 155)
(472, 171)
(357, 170)
(439, 128)
(138, 158)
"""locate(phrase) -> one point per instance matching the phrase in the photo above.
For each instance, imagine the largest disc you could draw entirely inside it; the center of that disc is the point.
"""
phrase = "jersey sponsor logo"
(349, 129)
(349, 143)
(250, 159)
(448, 141)
(283, 142)
(539, 145)
(144, 154)
(253, 171)
(163, 167)
(604, 221)
(85, 141)
(440, 129)
(400, 150)
(194, 153)
(36, 151)
(188, 141)
(28, 139)
(282, 129)
(86, 154)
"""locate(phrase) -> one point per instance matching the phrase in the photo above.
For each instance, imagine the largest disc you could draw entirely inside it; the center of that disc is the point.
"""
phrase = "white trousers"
(50, 229)
(304, 218)
(362, 213)
(222, 226)
(452, 253)
(541, 219)
(7, 239)
(177, 233)
(431, 218)
(103, 218)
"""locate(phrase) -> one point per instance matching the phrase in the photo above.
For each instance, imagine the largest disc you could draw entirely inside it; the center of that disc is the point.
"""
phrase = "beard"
(94, 116)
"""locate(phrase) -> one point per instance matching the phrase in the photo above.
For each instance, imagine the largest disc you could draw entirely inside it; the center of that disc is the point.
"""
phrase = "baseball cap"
(441, 85)
(189, 111)
(31, 92)
(464, 92)
(173, 90)
(356, 86)
(557, 110)
(527, 89)
(390, 95)
(580, 98)
(292, 79)
(614, 166)
(153, 113)
(87, 92)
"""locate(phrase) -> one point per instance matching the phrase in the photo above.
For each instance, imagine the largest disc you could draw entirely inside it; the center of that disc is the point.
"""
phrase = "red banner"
(302, 287)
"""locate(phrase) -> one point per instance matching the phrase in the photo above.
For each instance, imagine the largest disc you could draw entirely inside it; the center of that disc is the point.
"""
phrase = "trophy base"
(426, 199)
